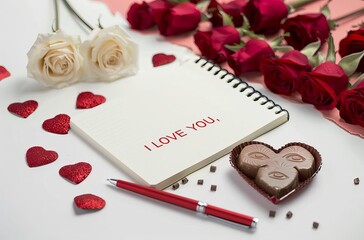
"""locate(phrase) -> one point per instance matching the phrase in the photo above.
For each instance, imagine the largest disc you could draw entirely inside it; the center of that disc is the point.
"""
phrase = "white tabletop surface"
(36, 203)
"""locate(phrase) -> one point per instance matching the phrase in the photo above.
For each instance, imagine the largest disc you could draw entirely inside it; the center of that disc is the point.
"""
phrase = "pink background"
(338, 8)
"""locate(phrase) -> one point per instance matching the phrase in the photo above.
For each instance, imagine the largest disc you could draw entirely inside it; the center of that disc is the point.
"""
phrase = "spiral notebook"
(179, 119)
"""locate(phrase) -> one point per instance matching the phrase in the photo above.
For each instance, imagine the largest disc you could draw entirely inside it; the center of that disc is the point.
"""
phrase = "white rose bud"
(109, 54)
(55, 59)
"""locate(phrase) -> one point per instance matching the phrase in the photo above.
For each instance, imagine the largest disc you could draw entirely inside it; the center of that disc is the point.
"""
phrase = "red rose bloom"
(305, 29)
(352, 43)
(322, 86)
(352, 105)
(212, 43)
(265, 16)
(248, 58)
(139, 16)
(281, 75)
(174, 20)
(234, 9)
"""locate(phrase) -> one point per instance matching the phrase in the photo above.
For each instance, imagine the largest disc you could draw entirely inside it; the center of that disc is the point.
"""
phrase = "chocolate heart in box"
(276, 174)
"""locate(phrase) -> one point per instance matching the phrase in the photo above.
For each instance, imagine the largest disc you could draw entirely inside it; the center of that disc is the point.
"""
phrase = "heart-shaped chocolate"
(89, 201)
(89, 100)
(76, 173)
(162, 59)
(60, 124)
(4, 73)
(23, 109)
(38, 156)
(276, 174)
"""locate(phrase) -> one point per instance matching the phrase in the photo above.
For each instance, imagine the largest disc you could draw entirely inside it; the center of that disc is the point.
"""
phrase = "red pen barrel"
(229, 215)
(159, 195)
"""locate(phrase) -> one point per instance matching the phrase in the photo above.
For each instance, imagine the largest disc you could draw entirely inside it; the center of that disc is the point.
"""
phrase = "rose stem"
(57, 15)
(77, 15)
(349, 14)
(300, 3)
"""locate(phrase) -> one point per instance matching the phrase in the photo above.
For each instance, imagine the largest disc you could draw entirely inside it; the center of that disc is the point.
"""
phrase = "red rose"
(212, 43)
(234, 9)
(322, 86)
(352, 43)
(248, 58)
(352, 105)
(174, 20)
(139, 16)
(265, 16)
(305, 29)
(281, 75)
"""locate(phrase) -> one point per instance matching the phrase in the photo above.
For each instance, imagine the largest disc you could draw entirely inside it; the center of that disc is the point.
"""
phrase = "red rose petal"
(89, 100)
(77, 172)
(4, 73)
(38, 156)
(162, 59)
(89, 201)
(23, 109)
(60, 124)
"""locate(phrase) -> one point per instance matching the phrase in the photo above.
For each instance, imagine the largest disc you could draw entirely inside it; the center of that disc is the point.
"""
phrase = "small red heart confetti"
(76, 172)
(4, 73)
(89, 201)
(89, 100)
(60, 124)
(162, 59)
(23, 109)
(37, 156)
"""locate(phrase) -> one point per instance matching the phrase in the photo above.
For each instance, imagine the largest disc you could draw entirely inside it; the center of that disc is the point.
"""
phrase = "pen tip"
(112, 181)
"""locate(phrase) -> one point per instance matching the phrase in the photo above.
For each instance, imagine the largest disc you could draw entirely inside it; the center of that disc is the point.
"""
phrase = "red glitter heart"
(4, 73)
(23, 109)
(162, 59)
(77, 172)
(89, 100)
(89, 201)
(60, 124)
(37, 156)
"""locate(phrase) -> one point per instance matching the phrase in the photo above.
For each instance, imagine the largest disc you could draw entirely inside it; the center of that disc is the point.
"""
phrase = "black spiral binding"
(240, 81)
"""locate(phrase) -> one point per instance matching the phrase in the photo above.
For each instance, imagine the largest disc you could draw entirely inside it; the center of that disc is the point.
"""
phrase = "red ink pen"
(194, 205)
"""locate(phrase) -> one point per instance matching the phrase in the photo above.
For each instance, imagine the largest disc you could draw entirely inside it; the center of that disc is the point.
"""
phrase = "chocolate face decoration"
(276, 173)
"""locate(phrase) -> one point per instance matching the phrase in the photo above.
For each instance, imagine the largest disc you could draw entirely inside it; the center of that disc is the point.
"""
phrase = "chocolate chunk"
(175, 186)
(276, 172)
(200, 181)
(289, 214)
(213, 169)
(315, 225)
(213, 188)
(272, 213)
(356, 181)
(184, 180)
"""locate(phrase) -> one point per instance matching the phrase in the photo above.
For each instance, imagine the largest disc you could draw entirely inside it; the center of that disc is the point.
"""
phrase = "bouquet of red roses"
(292, 61)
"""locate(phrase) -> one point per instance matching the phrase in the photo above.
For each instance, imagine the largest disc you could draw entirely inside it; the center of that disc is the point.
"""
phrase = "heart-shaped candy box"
(276, 174)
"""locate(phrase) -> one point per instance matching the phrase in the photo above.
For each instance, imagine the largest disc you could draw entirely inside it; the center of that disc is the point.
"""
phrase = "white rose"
(109, 54)
(55, 59)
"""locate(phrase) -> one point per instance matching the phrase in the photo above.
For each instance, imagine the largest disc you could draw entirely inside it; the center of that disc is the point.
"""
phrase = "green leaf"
(235, 47)
(283, 49)
(316, 59)
(227, 20)
(246, 23)
(278, 40)
(325, 10)
(331, 53)
(332, 24)
(351, 62)
(251, 34)
(202, 5)
(358, 80)
(311, 49)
